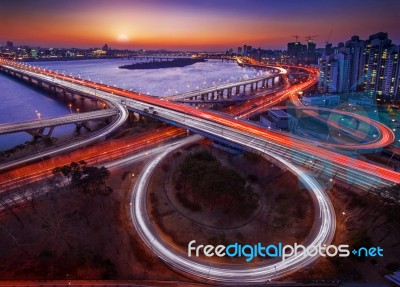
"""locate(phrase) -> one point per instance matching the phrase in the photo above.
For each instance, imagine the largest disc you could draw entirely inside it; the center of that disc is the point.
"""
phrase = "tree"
(88, 179)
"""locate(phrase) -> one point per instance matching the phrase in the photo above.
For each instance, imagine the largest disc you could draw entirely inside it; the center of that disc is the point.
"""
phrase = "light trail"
(178, 113)
(238, 274)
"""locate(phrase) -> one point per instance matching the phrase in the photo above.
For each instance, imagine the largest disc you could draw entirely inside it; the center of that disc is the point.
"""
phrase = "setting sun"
(122, 38)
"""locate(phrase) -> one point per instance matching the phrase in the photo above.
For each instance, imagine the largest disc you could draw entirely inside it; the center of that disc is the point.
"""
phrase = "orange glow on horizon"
(189, 25)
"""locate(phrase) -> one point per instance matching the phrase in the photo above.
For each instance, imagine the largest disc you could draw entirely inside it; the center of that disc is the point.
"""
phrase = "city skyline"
(199, 142)
(209, 25)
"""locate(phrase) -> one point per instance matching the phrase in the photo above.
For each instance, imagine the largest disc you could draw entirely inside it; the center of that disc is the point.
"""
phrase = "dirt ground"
(361, 217)
(68, 235)
(276, 220)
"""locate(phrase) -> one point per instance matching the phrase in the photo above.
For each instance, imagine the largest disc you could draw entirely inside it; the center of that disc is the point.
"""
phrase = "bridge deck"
(217, 88)
(56, 121)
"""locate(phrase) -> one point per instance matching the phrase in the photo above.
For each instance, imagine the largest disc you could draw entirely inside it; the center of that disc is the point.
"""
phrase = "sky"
(197, 25)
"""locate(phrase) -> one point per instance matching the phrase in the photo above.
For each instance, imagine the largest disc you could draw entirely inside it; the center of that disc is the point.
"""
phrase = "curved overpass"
(238, 274)
(229, 129)
(122, 115)
(253, 137)
(384, 137)
(56, 121)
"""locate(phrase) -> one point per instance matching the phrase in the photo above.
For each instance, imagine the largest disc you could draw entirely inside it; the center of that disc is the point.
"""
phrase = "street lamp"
(77, 110)
(70, 108)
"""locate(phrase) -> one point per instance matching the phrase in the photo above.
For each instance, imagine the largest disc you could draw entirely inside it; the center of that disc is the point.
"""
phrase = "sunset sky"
(192, 24)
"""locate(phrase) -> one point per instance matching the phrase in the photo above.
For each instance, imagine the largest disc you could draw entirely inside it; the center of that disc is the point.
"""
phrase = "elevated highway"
(229, 92)
(230, 130)
(382, 135)
(35, 79)
(224, 128)
(366, 143)
(35, 127)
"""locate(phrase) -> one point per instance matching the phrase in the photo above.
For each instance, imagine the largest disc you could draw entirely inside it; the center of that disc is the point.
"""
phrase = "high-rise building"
(296, 52)
(239, 49)
(325, 74)
(249, 50)
(354, 49)
(9, 45)
(390, 83)
(328, 49)
(333, 73)
(372, 66)
(311, 53)
(377, 49)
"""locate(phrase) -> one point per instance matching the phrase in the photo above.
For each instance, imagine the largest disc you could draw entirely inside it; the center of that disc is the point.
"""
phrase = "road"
(280, 147)
(240, 274)
(114, 155)
(110, 151)
(384, 136)
(362, 174)
(95, 136)
(182, 97)
(56, 121)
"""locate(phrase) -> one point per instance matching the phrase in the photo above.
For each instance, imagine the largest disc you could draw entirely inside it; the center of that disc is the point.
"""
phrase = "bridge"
(229, 130)
(228, 92)
(66, 90)
(244, 135)
(232, 92)
(37, 128)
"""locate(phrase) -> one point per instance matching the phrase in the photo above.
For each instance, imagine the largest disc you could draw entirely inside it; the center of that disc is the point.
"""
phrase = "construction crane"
(297, 37)
(311, 37)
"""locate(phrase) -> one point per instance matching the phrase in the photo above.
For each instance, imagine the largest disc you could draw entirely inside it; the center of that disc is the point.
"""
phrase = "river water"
(19, 102)
(156, 82)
